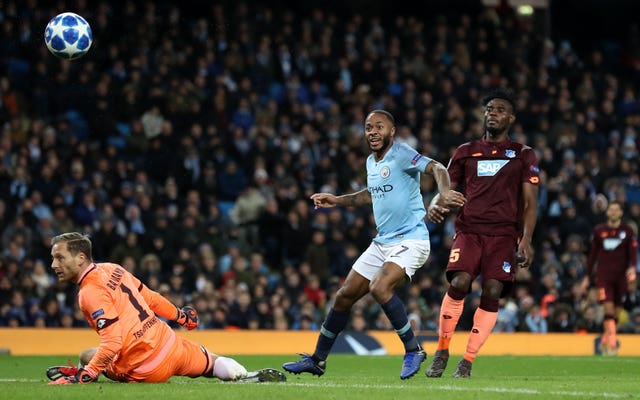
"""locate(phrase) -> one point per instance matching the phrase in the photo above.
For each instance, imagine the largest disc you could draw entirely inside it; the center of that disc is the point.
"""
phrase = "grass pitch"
(357, 378)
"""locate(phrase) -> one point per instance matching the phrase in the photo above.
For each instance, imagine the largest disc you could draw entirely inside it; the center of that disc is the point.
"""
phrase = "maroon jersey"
(612, 251)
(491, 175)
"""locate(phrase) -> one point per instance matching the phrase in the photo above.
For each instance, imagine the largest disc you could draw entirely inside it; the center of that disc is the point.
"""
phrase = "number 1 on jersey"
(142, 313)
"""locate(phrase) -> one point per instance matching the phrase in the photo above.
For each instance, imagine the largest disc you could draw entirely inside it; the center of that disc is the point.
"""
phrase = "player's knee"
(344, 299)
(492, 289)
(380, 290)
(85, 356)
(461, 282)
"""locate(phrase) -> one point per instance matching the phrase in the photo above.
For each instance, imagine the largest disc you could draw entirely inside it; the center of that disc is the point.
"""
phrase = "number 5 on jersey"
(454, 255)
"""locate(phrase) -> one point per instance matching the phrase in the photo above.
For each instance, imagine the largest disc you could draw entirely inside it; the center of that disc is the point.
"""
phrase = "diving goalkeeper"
(135, 345)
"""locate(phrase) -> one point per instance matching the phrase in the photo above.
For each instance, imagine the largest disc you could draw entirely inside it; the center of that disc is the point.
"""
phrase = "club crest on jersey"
(385, 172)
(506, 267)
(510, 153)
(490, 167)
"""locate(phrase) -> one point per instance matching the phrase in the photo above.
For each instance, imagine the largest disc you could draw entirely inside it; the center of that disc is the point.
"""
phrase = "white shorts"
(409, 254)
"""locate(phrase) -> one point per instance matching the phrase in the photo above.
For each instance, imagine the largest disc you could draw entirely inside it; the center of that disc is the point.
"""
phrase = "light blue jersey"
(394, 184)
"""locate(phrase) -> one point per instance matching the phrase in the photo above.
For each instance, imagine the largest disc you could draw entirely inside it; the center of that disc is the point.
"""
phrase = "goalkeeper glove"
(188, 317)
(83, 376)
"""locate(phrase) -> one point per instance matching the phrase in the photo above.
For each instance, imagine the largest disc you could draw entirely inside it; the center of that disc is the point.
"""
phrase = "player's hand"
(323, 200)
(188, 317)
(451, 199)
(437, 213)
(632, 281)
(524, 256)
(82, 377)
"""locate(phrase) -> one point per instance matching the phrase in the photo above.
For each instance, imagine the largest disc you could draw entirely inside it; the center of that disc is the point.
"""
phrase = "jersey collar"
(90, 268)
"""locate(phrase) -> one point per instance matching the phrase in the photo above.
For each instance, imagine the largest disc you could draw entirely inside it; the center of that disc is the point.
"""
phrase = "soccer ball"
(68, 36)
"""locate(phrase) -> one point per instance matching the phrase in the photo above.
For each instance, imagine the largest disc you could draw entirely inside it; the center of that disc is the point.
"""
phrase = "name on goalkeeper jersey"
(115, 278)
(145, 327)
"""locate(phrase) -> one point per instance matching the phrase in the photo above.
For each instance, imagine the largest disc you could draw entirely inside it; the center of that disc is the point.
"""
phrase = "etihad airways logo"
(380, 189)
(490, 167)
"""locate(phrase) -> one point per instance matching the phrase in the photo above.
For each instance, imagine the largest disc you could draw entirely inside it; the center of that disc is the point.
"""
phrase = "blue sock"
(329, 331)
(397, 314)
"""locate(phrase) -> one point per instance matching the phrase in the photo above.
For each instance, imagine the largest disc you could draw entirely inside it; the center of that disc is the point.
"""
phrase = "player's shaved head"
(386, 114)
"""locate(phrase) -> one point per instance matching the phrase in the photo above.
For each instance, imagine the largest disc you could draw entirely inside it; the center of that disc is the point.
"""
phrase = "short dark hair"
(614, 202)
(385, 113)
(76, 243)
(501, 93)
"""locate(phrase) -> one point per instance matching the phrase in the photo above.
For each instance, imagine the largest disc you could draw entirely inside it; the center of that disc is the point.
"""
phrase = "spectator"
(297, 130)
(534, 320)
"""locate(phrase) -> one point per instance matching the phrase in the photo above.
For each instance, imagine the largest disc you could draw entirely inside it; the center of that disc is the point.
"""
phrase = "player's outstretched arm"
(185, 316)
(328, 200)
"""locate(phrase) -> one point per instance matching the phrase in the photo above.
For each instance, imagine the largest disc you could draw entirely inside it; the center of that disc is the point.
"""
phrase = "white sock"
(228, 369)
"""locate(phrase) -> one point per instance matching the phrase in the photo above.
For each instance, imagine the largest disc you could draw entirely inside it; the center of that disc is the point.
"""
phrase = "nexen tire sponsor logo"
(490, 167)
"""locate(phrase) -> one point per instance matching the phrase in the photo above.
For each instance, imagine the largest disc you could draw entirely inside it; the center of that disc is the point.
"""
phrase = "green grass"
(358, 378)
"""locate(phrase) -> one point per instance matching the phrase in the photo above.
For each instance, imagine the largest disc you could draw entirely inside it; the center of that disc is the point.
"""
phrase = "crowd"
(187, 143)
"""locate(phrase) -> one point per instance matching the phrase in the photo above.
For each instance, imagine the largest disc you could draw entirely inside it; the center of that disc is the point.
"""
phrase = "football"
(68, 36)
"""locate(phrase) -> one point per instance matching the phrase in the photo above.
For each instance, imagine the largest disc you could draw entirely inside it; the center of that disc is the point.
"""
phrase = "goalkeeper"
(135, 345)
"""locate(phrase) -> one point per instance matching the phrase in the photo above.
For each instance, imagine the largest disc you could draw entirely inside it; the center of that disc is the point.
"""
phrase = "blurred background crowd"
(188, 140)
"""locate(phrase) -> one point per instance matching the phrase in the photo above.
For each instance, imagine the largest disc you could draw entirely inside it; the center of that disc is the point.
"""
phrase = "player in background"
(400, 247)
(613, 259)
(135, 345)
(500, 179)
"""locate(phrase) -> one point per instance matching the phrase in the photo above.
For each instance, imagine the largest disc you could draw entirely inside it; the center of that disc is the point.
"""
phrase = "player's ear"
(512, 119)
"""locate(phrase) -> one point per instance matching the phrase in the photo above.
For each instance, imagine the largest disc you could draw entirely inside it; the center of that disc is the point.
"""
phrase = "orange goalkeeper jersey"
(121, 309)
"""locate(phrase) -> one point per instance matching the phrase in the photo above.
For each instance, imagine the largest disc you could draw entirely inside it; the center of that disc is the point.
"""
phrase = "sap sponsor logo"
(490, 167)
(96, 314)
(510, 153)
(611, 243)
(506, 267)
(385, 172)
(380, 189)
